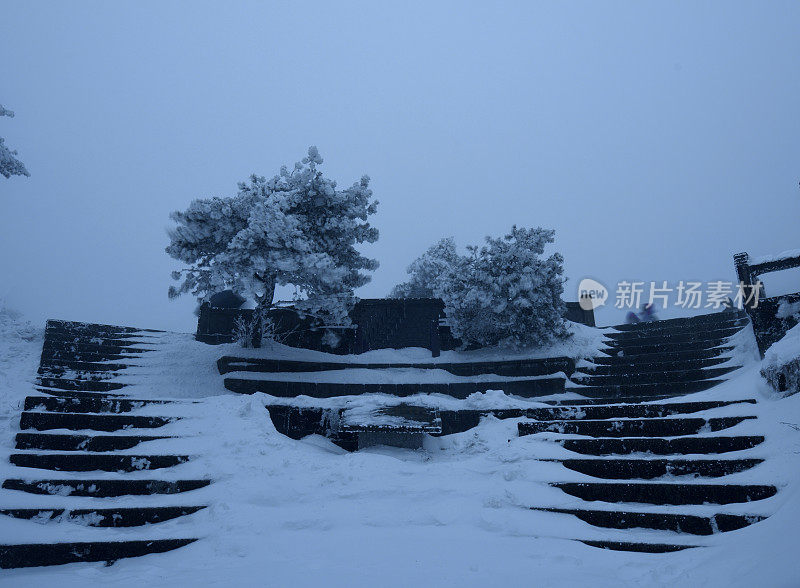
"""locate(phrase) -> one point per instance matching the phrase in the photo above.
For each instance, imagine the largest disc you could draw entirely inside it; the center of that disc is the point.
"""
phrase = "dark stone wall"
(379, 323)
(577, 315)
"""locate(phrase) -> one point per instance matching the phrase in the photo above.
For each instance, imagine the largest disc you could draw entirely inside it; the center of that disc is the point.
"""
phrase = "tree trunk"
(263, 306)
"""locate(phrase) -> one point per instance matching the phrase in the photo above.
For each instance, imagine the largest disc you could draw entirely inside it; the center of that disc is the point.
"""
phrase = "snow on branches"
(295, 228)
(9, 164)
(426, 270)
(503, 293)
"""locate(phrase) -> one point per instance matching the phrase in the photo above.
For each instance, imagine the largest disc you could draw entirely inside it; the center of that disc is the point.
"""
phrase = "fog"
(657, 139)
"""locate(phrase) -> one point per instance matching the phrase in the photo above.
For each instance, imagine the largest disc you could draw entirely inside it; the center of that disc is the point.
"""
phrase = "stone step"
(661, 521)
(600, 401)
(610, 411)
(79, 462)
(659, 446)
(693, 322)
(662, 347)
(103, 517)
(103, 488)
(666, 493)
(51, 554)
(44, 421)
(86, 404)
(613, 391)
(662, 357)
(79, 393)
(657, 427)
(79, 377)
(637, 547)
(80, 385)
(641, 377)
(63, 349)
(99, 443)
(618, 368)
(109, 340)
(648, 469)
(513, 368)
(54, 366)
(665, 331)
(77, 326)
(523, 388)
(53, 355)
(644, 391)
(670, 338)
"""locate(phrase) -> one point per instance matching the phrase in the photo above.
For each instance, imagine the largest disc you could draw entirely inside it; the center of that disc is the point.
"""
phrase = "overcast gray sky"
(657, 138)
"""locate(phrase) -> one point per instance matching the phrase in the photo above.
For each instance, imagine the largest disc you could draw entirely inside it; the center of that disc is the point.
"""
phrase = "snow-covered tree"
(294, 229)
(503, 293)
(9, 164)
(426, 271)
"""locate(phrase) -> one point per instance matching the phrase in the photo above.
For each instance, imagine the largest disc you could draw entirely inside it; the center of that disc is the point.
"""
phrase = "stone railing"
(769, 324)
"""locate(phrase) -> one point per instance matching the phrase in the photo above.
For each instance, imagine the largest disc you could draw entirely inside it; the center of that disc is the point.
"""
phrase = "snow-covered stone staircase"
(78, 450)
(658, 473)
(640, 466)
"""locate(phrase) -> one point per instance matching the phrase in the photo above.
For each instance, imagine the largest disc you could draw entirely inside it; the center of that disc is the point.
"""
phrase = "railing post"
(436, 342)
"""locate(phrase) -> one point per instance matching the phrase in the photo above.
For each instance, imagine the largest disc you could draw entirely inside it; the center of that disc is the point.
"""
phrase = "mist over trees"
(9, 164)
(502, 293)
(295, 228)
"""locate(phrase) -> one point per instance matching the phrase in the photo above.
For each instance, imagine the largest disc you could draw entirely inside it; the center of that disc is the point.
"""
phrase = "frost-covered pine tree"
(295, 228)
(9, 164)
(505, 293)
(426, 271)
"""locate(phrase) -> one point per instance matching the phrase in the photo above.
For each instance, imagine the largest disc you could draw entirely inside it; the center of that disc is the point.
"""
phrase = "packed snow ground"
(283, 512)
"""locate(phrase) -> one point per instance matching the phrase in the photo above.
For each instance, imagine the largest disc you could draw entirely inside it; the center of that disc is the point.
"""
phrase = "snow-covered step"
(102, 517)
(655, 427)
(43, 421)
(510, 368)
(60, 442)
(660, 446)
(627, 339)
(78, 462)
(72, 349)
(610, 411)
(76, 404)
(61, 365)
(661, 347)
(529, 388)
(48, 554)
(98, 336)
(82, 327)
(588, 378)
(611, 392)
(84, 385)
(619, 368)
(104, 488)
(662, 521)
(662, 329)
(648, 469)
(702, 321)
(59, 355)
(666, 493)
(78, 393)
(637, 546)
(613, 357)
